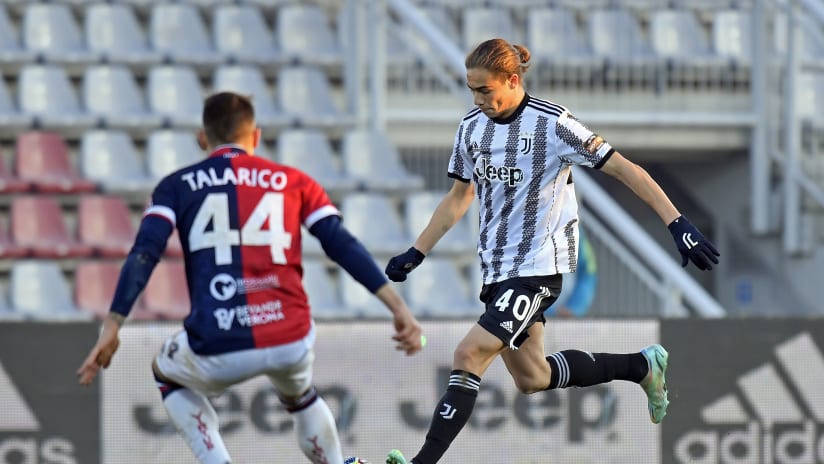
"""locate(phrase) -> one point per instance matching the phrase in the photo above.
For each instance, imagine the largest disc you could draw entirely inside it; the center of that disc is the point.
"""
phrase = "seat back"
(39, 290)
(38, 221)
(677, 34)
(245, 80)
(113, 29)
(178, 28)
(175, 91)
(241, 28)
(104, 222)
(481, 24)
(108, 156)
(304, 90)
(615, 33)
(46, 90)
(168, 151)
(292, 23)
(51, 27)
(111, 90)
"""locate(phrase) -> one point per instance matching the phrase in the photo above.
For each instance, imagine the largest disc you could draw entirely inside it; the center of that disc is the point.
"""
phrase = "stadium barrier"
(741, 390)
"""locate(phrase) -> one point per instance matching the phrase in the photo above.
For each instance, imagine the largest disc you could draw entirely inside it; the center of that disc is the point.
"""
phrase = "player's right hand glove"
(401, 265)
(692, 245)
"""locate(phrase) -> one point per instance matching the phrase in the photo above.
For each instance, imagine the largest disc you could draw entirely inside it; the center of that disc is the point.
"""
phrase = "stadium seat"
(371, 158)
(51, 31)
(440, 291)
(418, 209)
(677, 34)
(168, 151)
(177, 30)
(167, 293)
(46, 94)
(94, 286)
(732, 34)
(310, 244)
(241, 35)
(553, 35)
(9, 183)
(39, 291)
(110, 159)
(12, 120)
(12, 54)
(37, 224)
(113, 31)
(310, 151)
(42, 158)
(318, 48)
(616, 34)
(7, 313)
(480, 24)
(360, 211)
(249, 80)
(322, 289)
(111, 93)
(176, 94)
(810, 97)
(104, 223)
(8, 248)
(305, 95)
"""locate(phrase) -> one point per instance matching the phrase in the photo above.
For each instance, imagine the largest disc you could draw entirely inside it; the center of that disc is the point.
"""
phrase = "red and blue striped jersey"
(239, 218)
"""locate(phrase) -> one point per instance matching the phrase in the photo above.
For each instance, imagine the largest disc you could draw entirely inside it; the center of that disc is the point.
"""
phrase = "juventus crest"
(525, 143)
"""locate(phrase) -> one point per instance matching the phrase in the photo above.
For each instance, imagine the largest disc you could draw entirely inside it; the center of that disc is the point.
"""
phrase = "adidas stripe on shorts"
(513, 305)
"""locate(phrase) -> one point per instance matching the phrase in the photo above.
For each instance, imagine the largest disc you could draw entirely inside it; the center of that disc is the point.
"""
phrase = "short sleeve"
(164, 202)
(576, 144)
(460, 163)
(316, 204)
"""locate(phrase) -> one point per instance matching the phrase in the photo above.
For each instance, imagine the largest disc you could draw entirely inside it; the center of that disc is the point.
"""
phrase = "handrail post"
(759, 158)
(792, 138)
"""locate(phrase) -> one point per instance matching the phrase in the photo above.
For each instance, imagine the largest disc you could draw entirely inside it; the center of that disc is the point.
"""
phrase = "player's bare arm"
(448, 212)
(103, 351)
(645, 187)
(407, 329)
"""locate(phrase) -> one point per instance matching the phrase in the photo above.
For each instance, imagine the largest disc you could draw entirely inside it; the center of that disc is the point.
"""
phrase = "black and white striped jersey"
(522, 169)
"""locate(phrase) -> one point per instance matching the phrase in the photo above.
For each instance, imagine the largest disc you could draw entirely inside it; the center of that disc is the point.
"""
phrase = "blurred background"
(722, 101)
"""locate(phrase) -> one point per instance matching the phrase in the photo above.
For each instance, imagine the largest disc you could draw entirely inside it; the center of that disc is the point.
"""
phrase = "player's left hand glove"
(692, 245)
(401, 265)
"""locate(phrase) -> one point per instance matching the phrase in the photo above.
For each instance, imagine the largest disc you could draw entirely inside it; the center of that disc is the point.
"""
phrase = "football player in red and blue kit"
(239, 218)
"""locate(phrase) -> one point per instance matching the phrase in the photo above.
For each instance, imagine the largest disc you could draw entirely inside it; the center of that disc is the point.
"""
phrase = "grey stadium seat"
(480, 24)
(113, 31)
(677, 34)
(12, 120)
(12, 53)
(241, 35)
(170, 150)
(111, 93)
(46, 93)
(178, 31)
(418, 208)
(616, 34)
(322, 289)
(51, 30)
(732, 34)
(373, 159)
(110, 159)
(39, 292)
(553, 35)
(360, 211)
(304, 94)
(319, 47)
(175, 93)
(310, 151)
(439, 290)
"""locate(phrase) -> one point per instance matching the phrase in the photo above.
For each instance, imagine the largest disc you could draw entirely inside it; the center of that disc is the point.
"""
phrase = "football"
(354, 460)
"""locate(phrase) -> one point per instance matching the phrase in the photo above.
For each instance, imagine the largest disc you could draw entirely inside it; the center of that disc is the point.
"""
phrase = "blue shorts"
(513, 305)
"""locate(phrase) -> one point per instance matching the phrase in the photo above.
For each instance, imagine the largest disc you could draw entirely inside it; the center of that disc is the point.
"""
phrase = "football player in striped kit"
(239, 219)
(514, 153)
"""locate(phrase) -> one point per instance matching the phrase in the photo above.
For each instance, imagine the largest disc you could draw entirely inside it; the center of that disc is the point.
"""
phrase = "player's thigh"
(293, 380)
(210, 375)
(476, 351)
(528, 365)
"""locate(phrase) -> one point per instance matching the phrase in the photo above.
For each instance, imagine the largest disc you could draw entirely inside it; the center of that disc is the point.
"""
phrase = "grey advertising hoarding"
(45, 416)
(744, 391)
(383, 399)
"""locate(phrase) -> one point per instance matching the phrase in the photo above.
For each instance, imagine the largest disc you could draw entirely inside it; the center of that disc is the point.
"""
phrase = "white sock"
(196, 420)
(318, 433)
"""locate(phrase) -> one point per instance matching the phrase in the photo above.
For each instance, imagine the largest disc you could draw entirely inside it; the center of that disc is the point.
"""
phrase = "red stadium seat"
(9, 183)
(167, 292)
(9, 249)
(174, 249)
(105, 224)
(42, 158)
(37, 224)
(95, 283)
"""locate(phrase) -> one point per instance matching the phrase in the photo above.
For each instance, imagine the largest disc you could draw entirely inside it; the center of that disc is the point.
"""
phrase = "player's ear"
(202, 142)
(257, 136)
(513, 81)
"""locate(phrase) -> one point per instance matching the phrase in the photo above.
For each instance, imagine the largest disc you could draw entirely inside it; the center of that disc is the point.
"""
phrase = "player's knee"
(297, 403)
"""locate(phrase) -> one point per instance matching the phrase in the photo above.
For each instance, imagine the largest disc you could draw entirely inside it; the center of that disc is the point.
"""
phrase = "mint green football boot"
(395, 457)
(655, 384)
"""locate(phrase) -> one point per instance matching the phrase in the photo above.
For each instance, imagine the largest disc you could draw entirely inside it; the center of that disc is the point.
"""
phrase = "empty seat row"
(110, 160)
(39, 290)
(111, 97)
(104, 227)
(175, 32)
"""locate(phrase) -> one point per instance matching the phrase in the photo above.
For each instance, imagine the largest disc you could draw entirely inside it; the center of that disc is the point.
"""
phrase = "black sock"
(450, 416)
(574, 368)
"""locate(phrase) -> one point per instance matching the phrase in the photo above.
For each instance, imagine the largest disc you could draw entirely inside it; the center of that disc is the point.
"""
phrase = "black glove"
(692, 245)
(401, 265)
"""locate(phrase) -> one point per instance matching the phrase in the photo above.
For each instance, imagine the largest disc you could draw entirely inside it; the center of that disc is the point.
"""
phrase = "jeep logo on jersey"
(45, 417)
(510, 175)
(763, 405)
(223, 287)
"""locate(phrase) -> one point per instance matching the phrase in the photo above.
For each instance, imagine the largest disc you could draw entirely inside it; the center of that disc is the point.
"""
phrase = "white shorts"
(289, 367)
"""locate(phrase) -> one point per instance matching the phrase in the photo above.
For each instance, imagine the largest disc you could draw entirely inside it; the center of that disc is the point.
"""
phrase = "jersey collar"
(515, 113)
(228, 151)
